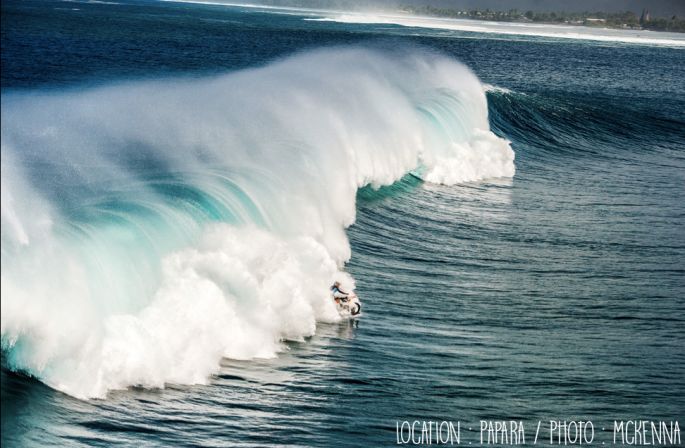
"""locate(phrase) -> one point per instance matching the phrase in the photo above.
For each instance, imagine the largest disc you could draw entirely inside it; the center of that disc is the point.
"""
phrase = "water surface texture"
(182, 182)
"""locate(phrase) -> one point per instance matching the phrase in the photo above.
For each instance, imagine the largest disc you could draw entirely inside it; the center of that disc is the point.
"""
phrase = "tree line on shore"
(626, 19)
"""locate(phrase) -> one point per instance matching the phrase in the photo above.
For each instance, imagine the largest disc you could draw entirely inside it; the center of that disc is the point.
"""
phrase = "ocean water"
(182, 182)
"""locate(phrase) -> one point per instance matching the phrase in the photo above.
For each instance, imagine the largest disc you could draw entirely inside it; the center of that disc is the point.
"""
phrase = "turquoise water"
(133, 129)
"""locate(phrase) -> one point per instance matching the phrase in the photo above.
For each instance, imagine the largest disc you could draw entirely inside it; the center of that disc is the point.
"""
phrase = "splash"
(151, 228)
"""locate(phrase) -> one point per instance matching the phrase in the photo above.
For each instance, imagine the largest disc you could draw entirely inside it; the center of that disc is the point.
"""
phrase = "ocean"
(182, 182)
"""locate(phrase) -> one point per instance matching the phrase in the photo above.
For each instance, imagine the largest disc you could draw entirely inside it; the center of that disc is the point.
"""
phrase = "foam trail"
(642, 37)
(151, 228)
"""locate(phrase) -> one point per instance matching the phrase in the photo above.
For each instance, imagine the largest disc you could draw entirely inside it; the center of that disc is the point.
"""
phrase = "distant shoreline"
(624, 20)
(557, 31)
(620, 21)
(412, 14)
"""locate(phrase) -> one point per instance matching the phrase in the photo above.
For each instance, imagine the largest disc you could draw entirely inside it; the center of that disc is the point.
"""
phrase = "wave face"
(150, 229)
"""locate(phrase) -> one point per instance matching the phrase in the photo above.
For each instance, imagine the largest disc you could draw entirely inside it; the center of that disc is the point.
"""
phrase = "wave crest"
(155, 227)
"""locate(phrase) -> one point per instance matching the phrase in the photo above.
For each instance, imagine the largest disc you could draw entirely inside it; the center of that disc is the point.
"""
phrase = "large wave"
(151, 228)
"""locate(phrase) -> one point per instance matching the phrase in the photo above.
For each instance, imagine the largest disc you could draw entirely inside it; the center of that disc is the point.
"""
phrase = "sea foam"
(537, 30)
(151, 228)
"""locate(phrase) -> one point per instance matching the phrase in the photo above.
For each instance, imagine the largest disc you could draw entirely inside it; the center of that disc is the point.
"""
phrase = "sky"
(662, 8)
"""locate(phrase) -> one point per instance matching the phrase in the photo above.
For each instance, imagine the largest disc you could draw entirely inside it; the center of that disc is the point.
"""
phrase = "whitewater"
(536, 30)
(152, 228)
(600, 34)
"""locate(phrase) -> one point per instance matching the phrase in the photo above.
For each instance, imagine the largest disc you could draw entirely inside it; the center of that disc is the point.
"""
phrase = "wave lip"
(155, 227)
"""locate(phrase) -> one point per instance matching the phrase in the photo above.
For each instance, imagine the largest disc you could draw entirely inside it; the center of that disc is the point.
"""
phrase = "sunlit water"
(557, 293)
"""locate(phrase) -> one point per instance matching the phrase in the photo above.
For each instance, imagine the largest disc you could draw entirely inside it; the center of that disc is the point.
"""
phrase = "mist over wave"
(151, 228)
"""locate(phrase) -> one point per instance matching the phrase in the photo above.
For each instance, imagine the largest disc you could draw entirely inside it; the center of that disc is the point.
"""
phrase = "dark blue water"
(557, 294)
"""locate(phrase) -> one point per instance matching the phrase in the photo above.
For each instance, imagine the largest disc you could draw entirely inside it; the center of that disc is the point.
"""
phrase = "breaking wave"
(151, 228)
